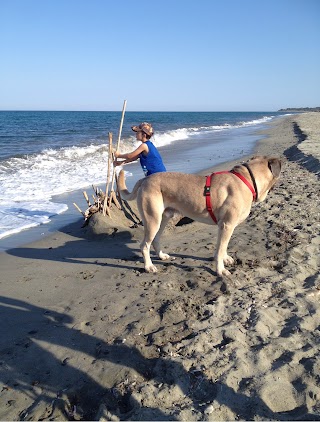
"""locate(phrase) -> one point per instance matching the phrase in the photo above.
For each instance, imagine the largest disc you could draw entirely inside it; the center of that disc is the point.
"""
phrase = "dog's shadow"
(120, 249)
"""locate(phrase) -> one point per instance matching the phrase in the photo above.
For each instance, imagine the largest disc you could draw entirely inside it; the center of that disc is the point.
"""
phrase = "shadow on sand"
(26, 363)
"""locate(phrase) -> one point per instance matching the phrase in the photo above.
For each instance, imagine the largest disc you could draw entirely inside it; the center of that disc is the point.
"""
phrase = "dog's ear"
(274, 165)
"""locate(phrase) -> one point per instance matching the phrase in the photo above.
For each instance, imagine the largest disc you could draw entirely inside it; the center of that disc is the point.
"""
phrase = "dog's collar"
(255, 189)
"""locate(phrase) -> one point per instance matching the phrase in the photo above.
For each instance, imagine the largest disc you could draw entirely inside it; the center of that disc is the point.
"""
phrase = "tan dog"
(159, 195)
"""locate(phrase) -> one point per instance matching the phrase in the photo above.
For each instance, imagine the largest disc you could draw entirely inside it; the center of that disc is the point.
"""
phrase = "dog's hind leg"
(151, 215)
(168, 213)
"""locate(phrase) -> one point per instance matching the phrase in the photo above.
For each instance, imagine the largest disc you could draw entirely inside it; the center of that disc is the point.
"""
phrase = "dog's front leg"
(224, 234)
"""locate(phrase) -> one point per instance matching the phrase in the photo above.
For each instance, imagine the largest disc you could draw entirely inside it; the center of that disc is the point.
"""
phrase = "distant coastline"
(300, 109)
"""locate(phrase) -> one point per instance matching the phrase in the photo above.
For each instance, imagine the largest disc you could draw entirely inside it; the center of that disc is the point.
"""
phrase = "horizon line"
(147, 111)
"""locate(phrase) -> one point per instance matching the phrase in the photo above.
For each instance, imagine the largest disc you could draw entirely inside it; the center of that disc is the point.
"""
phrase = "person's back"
(151, 162)
(150, 158)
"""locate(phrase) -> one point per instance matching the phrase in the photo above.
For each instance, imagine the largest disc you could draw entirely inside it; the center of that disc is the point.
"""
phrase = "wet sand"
(86, 334)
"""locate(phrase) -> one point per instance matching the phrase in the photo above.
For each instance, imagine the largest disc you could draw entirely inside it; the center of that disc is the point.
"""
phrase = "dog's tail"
(124, 193)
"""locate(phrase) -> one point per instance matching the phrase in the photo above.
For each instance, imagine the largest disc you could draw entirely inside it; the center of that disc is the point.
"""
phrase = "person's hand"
(116, 154)
(117, 163)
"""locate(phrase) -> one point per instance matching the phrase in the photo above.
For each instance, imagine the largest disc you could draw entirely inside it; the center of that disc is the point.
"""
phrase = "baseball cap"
(143, 127)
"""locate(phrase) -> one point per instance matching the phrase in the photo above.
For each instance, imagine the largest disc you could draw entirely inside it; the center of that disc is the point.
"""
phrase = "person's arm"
(132, 156)
(119, 163)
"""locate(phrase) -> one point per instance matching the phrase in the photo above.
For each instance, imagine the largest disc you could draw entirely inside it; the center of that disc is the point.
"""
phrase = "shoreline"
(188, 152)
(62, 160)
(88, 335)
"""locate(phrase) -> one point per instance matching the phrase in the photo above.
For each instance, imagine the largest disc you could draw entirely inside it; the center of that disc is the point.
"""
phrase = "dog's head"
(266, 171)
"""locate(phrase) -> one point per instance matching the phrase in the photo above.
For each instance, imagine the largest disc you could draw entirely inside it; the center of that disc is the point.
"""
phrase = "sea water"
(45, 154)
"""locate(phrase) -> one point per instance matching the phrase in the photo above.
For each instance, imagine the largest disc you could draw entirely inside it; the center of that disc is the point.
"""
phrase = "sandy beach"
(86, 334)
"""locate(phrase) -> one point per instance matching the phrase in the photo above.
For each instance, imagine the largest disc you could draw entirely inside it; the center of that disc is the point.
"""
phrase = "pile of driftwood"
(102, 201)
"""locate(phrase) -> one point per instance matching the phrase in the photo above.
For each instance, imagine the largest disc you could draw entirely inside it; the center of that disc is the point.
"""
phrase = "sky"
(159, 55)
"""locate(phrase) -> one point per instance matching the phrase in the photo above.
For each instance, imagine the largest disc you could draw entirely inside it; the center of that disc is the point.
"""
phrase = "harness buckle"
(206, 191)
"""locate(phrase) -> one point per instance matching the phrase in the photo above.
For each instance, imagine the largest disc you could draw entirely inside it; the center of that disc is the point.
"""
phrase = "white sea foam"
(165, 138)
(28, 183)
(17, 216)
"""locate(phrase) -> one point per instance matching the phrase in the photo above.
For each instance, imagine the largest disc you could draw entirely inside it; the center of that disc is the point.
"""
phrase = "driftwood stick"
(110, 156)
(114, 175)
(118, 142)
(78, 208)
(107, 210)
(105, 204)
(86, 198)
(113, 197)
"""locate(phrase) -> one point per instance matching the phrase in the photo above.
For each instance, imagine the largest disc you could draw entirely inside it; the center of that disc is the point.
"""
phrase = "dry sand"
(86, 334)
(309, 124)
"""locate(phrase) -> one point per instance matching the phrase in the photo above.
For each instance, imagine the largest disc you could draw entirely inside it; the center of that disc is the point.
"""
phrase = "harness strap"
(245, 181)
(208, 186)
(207, 194)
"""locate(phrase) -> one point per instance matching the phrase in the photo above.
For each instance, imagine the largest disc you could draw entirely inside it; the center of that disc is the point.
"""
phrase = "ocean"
(44, 154)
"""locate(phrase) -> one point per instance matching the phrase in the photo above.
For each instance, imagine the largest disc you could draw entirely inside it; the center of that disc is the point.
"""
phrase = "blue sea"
(45, 154)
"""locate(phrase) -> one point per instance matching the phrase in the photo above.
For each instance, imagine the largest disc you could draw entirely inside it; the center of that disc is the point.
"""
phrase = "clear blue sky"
(160, 55)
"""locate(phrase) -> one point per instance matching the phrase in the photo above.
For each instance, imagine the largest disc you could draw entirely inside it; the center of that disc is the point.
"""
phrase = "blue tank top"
(152, 162)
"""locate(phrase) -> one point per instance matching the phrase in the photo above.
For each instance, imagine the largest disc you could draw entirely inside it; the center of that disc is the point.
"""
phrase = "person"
(150, 158)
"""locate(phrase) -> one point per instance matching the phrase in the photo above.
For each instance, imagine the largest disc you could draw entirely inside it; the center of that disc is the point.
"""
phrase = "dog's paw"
(164, 256)
(151, 269)
(223, 272)
(226, 273)
(228, 260)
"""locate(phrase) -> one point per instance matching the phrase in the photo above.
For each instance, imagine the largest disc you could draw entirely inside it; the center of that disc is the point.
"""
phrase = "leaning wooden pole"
(105, 204)
(78, 208)
(86, 198)
(112, 193)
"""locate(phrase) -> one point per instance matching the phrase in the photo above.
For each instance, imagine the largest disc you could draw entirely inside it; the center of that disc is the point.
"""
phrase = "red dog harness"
(208, 185)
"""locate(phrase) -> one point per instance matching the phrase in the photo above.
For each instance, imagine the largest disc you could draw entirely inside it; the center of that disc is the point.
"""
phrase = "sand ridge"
(87, 334)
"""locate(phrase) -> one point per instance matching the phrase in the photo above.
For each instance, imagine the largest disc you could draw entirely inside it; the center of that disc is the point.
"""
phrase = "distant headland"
(300, 109)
